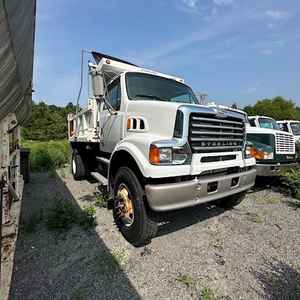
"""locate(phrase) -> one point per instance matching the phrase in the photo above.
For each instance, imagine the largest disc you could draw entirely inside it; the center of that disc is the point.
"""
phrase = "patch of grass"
(46, 156)
(100, 201)
(61, 216)
(256, 218)
(186, 279)
(268, 199)
(87, 218)
(120, 255)
(207, 294)
(64, 214)
(291, 181)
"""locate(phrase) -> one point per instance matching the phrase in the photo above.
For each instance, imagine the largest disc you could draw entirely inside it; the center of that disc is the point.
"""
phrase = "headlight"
(176, 155)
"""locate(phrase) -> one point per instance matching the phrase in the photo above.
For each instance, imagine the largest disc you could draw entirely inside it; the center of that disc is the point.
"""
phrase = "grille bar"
(217, 127)
(216, 120)
(214, 134)
(219, 148)
(214, 140)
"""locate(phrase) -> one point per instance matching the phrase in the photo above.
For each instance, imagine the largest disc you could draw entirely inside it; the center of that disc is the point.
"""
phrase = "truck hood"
(160, 116)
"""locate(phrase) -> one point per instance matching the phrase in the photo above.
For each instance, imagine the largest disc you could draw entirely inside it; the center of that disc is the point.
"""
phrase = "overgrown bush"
(291, 180)
(46, 156)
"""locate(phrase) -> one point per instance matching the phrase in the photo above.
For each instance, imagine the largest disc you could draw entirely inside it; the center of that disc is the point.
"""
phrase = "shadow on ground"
(180, 219)
(75, 264)
(278, 281)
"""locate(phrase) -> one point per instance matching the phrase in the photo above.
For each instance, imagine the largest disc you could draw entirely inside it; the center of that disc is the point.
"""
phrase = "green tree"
(47, 122)
(277, 108)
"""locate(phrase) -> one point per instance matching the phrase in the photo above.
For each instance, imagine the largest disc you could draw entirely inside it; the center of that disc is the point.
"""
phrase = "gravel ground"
(251, 252)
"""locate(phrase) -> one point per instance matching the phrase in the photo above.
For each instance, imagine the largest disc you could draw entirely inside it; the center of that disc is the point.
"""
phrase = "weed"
(120, 255)
(291, 181)
(61, 216)
(207, 294)
(64, 214)
(186, 279)
(87, 217)
(100, 201)
(256, 218)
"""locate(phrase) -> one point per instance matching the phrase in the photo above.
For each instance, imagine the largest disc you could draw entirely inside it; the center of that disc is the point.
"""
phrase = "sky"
(232, 50)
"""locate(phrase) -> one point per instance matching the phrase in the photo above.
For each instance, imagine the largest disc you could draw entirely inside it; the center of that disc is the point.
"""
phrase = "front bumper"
(169, 196)
(273, 169)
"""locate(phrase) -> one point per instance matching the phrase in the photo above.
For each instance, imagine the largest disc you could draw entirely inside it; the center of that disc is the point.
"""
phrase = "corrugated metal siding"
(17, 29)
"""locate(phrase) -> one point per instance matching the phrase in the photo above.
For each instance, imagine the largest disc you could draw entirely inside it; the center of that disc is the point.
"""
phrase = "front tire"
(78, 167)
(129, 209)
(231, 201)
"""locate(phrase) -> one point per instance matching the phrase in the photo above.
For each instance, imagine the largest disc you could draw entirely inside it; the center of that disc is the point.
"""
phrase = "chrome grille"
(208, 133)
(285, 144)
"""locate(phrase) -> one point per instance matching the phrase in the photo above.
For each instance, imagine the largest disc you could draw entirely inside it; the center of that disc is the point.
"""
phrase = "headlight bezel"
(169, 153)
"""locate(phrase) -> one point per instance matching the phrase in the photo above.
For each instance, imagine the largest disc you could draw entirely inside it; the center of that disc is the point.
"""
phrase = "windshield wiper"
(151, 97)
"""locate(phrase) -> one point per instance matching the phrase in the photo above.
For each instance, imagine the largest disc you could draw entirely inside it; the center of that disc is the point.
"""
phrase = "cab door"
(110, 122)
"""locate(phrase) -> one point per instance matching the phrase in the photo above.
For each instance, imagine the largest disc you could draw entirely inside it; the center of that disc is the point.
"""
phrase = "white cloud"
(278, 15)
(189, 6)
(223, 2)
(190, 3)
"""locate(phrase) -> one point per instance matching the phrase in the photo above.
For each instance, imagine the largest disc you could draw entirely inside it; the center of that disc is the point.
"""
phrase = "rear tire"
(231, 201)
(140, 228)
(78, 167)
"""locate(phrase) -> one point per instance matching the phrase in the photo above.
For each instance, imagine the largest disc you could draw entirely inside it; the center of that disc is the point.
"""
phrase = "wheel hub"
(124, 206)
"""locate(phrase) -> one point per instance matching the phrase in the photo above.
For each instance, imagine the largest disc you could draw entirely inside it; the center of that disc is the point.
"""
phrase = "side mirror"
(97, 84)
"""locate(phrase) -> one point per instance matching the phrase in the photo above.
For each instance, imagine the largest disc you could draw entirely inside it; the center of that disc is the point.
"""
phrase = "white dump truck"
(145, 136)
(273, 149)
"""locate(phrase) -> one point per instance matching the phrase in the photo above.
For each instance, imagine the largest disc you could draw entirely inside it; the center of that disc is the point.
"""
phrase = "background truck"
(273, 149)
(145, 136)
(291, 126)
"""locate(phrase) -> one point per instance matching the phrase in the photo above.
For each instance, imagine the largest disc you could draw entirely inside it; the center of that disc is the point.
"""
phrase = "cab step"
(103, 160)
(100, 178)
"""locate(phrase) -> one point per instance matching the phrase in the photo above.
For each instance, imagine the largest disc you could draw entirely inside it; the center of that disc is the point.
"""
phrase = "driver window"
(113, 95)
(284, 127)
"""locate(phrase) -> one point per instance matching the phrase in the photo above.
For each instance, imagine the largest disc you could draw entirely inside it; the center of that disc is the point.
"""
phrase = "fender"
(136, 154)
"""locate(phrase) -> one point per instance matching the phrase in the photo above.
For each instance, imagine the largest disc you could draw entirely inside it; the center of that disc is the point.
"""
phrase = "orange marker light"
(154, 155)
(259, 155)
(128, 123)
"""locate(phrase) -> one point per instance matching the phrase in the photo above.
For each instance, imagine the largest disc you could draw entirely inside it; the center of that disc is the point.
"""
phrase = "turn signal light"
(259, 155)
(154, 156)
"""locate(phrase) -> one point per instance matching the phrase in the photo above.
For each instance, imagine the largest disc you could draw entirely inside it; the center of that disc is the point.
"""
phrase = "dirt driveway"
(251, 252)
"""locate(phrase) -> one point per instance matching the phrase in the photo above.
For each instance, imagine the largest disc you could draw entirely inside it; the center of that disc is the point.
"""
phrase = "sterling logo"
(220, 113)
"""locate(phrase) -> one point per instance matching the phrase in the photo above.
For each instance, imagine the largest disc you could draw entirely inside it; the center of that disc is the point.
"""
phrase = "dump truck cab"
(273, 149)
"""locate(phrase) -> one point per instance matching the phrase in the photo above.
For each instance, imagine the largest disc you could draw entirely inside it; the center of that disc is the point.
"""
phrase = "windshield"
(295, 128)
(268, 123)
(142, 86)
